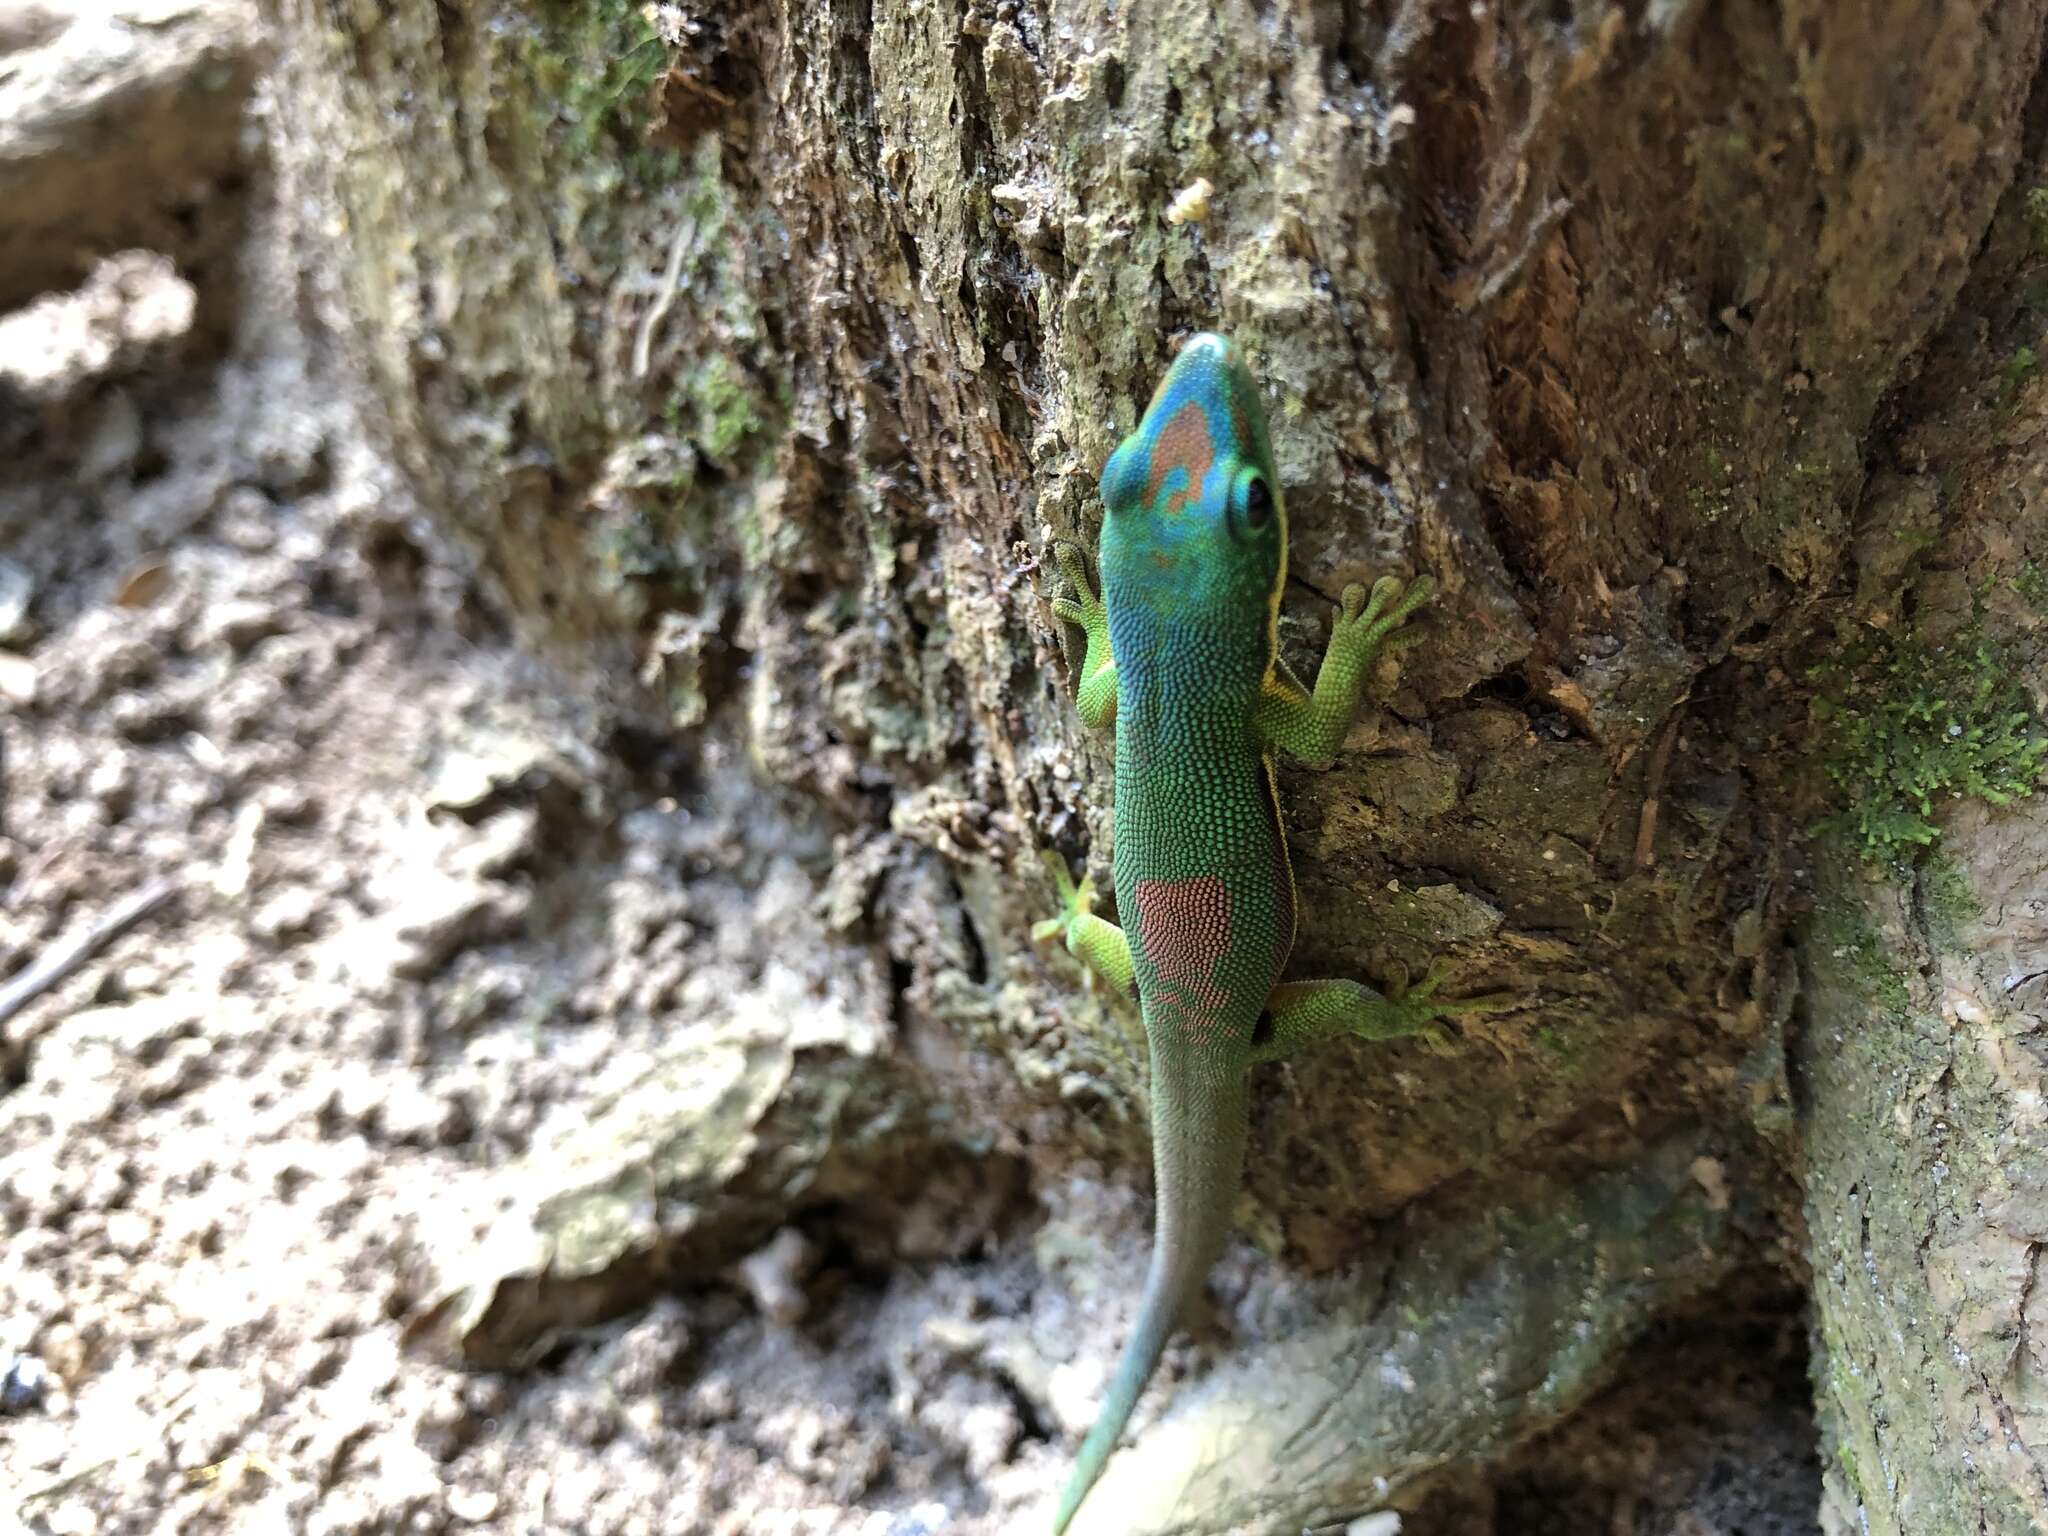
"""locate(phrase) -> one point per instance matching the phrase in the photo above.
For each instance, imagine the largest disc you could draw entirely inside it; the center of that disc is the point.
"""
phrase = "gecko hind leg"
(1301, 1013)
(1095, 941)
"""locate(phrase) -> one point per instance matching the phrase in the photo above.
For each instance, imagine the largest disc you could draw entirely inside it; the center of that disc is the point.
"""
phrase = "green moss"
(601, 61)
(727, 406)
(718, 408)
(1843, 935)
(591, 73)
(2032, 584)
(1907, 726)
(2019, 368)
(714, 396)
(2037, 217)
(1845, 1458)
(1947, 897)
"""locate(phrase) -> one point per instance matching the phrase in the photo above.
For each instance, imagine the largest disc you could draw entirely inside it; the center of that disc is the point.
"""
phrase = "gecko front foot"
(1371, 624)
(1084, 607)
(1096, 698)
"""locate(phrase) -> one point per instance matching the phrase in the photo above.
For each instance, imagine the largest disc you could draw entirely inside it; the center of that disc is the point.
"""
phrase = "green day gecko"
(1182, 656)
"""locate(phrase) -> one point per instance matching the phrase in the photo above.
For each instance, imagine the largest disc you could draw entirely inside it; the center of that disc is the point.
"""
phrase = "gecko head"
(1193, 518)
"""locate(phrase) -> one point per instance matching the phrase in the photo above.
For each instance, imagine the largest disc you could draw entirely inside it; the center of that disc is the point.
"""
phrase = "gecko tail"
(1198, 1136)
(1140, 1358)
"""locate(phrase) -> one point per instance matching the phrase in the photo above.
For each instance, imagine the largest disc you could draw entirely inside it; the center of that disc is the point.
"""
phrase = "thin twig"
(58, 963)
(681, 245)
(1653, 795)
(153, 1435)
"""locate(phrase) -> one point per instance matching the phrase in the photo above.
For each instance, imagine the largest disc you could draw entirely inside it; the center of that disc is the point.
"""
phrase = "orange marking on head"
(1184, 930)
(1183, 443)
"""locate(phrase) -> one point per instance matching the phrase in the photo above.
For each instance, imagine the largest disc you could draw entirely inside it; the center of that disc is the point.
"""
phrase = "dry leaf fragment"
(143, 584)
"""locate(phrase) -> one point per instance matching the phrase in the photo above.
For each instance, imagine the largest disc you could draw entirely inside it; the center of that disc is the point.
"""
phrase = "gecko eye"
(1122, 477)
(1254, 503)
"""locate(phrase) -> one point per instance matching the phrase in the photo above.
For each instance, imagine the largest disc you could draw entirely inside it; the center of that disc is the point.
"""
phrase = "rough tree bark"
(761, 349)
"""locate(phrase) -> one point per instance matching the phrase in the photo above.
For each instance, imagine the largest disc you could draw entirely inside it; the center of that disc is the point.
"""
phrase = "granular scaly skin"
(1182, 657)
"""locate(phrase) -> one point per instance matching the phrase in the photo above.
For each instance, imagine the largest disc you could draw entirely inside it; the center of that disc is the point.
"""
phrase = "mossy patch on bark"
(1909, 724)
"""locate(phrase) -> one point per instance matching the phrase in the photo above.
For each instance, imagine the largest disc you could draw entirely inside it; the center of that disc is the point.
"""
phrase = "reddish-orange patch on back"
(1184, 929)
(1183, 443)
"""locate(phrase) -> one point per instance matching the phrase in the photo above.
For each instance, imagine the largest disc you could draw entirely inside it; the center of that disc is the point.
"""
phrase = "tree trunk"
(760, 352)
